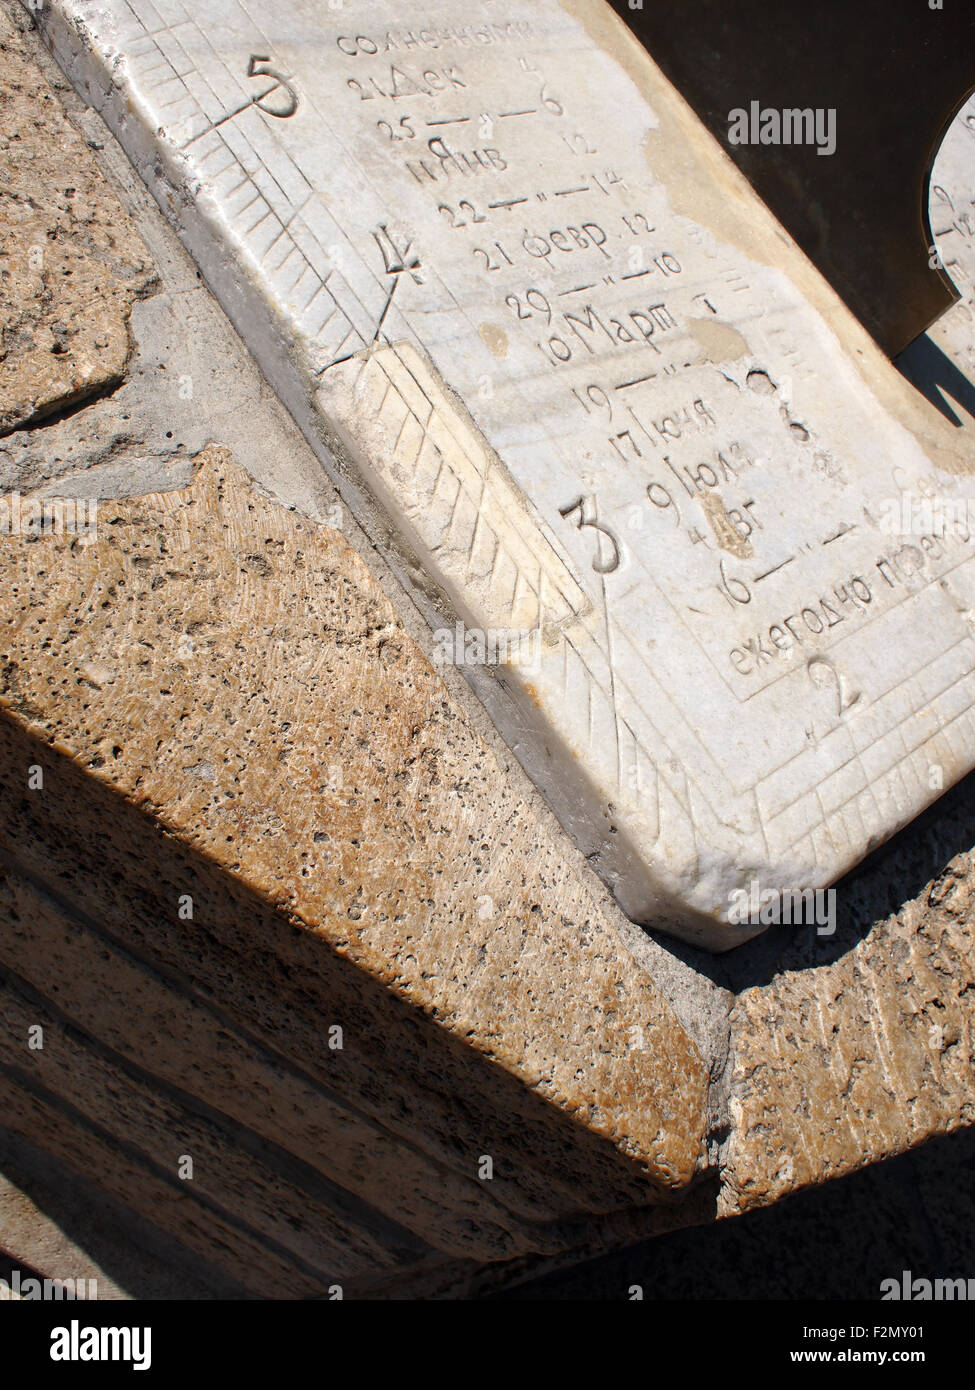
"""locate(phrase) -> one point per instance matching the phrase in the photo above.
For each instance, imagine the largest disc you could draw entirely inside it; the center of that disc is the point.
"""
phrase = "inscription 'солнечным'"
(541, 334)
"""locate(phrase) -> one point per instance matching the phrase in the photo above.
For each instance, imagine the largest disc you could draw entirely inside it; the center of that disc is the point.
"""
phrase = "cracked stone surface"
(71, 265)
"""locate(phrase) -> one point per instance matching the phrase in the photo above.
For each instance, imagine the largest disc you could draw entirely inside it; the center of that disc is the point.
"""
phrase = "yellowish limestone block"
(852, 1062)
(70, 261)
(234, 671)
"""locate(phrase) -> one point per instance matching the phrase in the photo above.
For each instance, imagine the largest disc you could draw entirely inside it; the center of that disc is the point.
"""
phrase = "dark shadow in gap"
(933, 373)
(915, 1212)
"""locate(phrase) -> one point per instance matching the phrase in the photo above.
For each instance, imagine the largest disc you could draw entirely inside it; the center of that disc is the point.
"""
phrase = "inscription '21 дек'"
(559, 360)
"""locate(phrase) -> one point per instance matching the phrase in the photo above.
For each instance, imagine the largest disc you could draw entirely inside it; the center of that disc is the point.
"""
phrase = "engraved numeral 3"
(600, 565)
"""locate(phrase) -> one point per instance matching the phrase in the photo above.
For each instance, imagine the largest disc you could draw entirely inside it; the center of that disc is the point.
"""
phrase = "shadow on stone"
(144, 1263)
(934, 374)
(838, 1242)
(403, 1106)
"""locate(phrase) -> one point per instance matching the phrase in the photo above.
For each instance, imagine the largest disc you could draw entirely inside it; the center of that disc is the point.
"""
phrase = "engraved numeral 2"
(489, 263)
(823, 673)
(465, 207)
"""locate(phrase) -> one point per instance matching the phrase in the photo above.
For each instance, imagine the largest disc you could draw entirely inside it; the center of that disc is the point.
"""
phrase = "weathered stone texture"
(234, 672)
(845, 1064)
(153, 1027)
(70, 263)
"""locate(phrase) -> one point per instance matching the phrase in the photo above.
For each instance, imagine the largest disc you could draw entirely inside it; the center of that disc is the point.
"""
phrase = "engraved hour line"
(281, 82)
(397, 269)
(254, 101)
(382, 316)
(612, 673)
(635, 696)
(637, 381)
(775, 569)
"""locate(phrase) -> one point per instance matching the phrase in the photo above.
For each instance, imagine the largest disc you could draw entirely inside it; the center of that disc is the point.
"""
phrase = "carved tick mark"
(841, 532)
(281, 84)
(774, 570)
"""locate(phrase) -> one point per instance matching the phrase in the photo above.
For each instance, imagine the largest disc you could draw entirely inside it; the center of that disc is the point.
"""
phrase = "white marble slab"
(475, 254)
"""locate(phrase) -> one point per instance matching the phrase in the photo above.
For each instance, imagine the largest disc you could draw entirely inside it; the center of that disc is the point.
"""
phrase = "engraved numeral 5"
(282, 96)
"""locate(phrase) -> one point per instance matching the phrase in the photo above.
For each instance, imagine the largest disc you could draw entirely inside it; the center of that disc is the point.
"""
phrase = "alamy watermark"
(27, 1288)
(766, 125)
(796, 907)
(78, 1343)
(911, 1290)
(929, 515)
(474, 646)
(48, 516)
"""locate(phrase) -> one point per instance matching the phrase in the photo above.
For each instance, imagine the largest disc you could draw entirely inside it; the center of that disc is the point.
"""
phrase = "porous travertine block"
(227, 711)
(843, 1064)
(70, 263)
